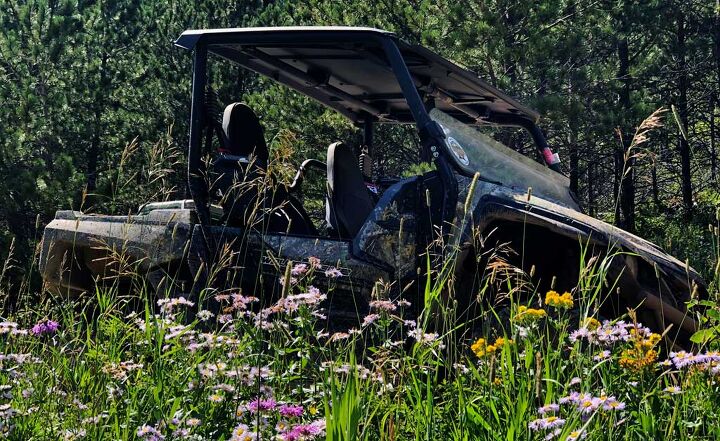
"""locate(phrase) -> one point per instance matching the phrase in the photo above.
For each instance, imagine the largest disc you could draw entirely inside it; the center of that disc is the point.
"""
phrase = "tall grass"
(171, 369)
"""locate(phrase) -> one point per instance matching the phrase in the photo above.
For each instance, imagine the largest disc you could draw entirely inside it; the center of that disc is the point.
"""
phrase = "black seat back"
(348, 203)
(243, 134)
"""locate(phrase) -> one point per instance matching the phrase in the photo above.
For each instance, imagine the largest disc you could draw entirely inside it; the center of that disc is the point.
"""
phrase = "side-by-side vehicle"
(476, 194)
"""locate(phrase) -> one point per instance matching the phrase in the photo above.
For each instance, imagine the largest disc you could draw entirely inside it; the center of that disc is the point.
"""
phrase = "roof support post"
(195, 172)
(431, 135)
(196, 175)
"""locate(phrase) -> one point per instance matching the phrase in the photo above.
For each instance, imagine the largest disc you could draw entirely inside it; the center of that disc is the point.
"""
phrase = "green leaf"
(704, 335)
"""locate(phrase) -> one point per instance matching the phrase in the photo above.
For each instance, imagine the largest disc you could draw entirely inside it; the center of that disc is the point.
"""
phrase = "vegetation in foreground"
(227, 369)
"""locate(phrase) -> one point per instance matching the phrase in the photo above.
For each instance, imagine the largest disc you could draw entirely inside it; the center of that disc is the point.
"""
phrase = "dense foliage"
(82, 80)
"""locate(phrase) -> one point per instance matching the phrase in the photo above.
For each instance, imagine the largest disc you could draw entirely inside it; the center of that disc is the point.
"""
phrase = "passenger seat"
(348, 203)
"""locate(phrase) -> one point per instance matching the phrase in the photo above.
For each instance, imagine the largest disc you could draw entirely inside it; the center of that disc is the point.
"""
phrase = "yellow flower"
(642, 354)
(591, 323)
(565, 301)
(529, 315)
(482, 349)
(312, 409)
(497, 381)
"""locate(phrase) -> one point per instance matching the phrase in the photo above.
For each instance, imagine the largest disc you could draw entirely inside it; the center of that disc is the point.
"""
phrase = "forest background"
(95, 99)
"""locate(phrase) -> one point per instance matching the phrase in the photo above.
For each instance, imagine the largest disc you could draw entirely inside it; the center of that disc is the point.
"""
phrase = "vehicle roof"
(345, 69)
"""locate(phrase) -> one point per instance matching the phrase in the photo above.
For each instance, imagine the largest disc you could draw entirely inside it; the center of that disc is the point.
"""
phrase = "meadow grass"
(227, 369)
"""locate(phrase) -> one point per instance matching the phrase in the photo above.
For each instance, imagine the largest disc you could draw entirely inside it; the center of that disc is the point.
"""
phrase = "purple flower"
(149, 433)
(305, 431)
(46, 327)
(290, 410)
(299, 269)
(548, 423)
(613, 404)
(548, 408)
(261, 405)
(333, 273)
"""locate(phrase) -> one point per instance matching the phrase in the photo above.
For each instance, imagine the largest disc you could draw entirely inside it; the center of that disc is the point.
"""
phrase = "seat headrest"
(243, 132)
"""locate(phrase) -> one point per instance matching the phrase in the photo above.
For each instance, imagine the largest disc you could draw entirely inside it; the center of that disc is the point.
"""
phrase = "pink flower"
(261, 405)
(383, 305)
(333, 273)
(370, 319)
(299, 269)
(305, 431)
(314, 262)
(290, 410)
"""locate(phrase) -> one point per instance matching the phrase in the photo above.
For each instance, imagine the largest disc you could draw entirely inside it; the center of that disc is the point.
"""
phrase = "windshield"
(474, 151)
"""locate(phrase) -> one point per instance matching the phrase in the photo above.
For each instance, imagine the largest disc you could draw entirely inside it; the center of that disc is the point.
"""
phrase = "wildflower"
(74, 434)
(282, 426)
(242, 433)
(260, 405)
(461, 368)
(193, 422)
(168, 305)
(482, 349)
(589, 405)
(314, 262)
(672, 390)
(224, 318)
(553, 434)
(642, 354)
(602, 355)
(204, 315)
(550, 422)
(8, 327)
(339, 336)
(579, 334)
(403, 303)
(220, 298)
(576, 435)
(333, 273)
(574, 381)
(149, 433)
(424, 337)
(591, 323)
(612, 403)
(312, 409)
(564, 301)
(293, 281)
(216, 398)
(574, 397)
(383, 305)
(299, 269)
(548, 408)
(370, 319)
(289, 410)
(305, 431)
(45, 327)
(529, 315)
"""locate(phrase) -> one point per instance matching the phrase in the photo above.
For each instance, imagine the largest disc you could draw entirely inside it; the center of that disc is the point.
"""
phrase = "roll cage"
(367, 75)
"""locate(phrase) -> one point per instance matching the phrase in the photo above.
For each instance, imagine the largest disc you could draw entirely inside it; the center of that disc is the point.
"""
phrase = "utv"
(380, 231)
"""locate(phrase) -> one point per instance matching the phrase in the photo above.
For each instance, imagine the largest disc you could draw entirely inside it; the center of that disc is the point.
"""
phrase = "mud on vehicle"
(376, 228)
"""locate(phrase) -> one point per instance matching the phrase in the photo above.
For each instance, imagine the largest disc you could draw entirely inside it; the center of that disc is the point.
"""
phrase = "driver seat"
(348, 203)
